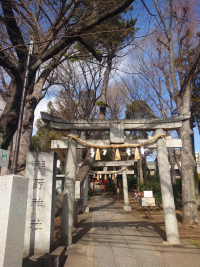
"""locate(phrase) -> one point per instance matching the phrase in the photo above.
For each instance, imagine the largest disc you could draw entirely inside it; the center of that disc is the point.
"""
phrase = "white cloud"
(42, 106)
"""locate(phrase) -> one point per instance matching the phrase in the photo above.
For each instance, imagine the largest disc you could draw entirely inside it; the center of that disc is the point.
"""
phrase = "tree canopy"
(54, 26)
(139, 109)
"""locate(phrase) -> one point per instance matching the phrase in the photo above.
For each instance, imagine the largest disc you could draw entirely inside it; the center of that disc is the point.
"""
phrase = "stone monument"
(39, 229)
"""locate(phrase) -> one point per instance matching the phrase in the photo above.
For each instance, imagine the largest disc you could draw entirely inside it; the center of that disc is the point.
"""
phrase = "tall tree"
(54, 27)
(173, 55)
(170, 65)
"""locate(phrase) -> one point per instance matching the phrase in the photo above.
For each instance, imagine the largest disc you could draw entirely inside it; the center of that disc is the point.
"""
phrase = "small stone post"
(167, 192)
(126, 206)
(85, 208)
(69, 193)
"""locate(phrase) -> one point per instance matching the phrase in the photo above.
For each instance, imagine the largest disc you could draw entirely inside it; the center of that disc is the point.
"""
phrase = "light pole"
(21, 112)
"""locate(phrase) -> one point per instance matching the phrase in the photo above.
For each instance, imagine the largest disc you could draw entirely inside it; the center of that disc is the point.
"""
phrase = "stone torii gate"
(124, 171)
(117, 128)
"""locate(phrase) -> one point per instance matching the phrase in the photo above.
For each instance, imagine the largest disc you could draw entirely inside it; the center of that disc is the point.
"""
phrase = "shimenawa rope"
(107, 172)
(75, 137)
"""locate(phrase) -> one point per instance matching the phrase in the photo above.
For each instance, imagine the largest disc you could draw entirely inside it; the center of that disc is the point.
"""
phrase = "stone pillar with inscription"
(39, 229)
(126, 206)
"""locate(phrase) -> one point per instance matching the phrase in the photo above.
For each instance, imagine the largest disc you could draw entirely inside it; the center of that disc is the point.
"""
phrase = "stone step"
(56, 258)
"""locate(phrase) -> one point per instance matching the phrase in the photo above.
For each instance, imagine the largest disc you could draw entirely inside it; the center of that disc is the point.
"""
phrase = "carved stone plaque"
(117, 132)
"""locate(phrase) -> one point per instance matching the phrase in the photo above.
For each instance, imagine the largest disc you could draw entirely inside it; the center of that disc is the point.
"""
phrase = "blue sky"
(197, 139)
(144, 22)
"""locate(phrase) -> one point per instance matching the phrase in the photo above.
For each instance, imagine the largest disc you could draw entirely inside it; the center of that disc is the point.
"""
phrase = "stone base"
(127, 208)
(56, 258)
(177, 244)
(85, 209)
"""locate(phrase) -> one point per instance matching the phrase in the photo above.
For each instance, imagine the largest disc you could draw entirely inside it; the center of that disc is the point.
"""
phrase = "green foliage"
(132, 181)
(141, 187)
(154, 185)
(107, 156)
(123, 153)
(177, 189)
(112, 35)
(50, 108)
(35, 143)
(90, 193)
(139, 109)
(44, 134)
(59, 215)
(43, 137)
(116, 31)
(102, 104)
(194, 242)
(111, 188)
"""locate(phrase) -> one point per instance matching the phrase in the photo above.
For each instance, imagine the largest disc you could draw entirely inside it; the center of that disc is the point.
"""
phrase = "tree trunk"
(190, 215)
(9, 118)
(33, 96)
(106, 77)
(177, 162)
(26, 133)
(139, 170)
(195, 173)
(188, 163)
(173, 175)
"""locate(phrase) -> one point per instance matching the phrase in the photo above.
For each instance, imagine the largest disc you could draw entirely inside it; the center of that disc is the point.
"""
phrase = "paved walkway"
(108, 237)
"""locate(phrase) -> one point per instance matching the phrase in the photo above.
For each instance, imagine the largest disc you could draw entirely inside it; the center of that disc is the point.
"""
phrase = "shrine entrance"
(116, 127)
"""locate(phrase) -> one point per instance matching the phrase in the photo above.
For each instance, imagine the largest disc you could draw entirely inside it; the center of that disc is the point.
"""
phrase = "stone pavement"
(108, 237)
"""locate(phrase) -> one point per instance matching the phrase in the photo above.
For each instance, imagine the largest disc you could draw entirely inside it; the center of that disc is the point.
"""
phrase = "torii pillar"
(69, 192)
(171, 225)
(126, 206)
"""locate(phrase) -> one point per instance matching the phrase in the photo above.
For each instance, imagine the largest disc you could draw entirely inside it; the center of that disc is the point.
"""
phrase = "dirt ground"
(57, 227)
(189, 233)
